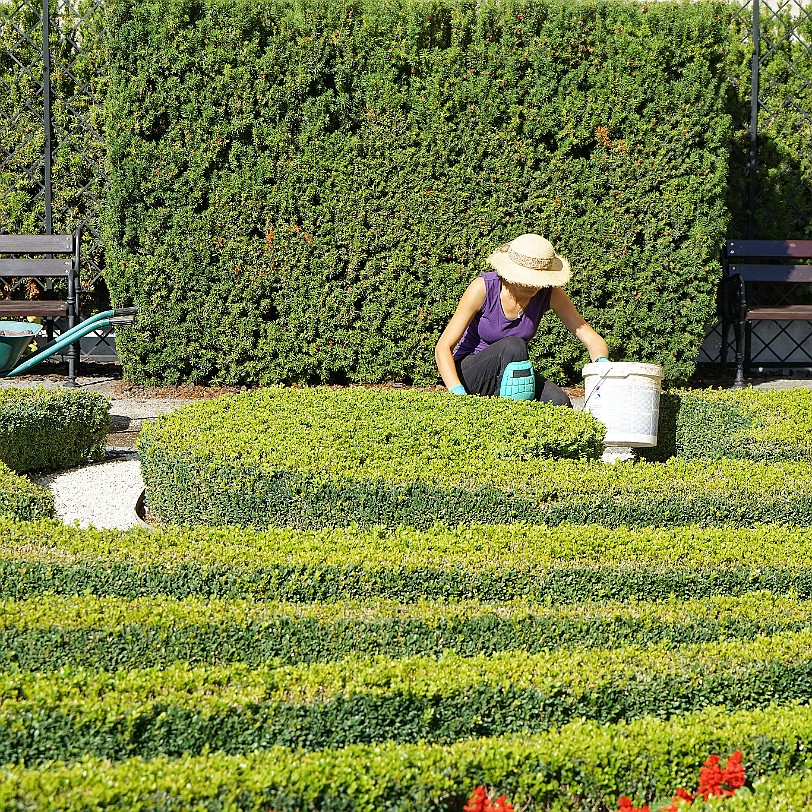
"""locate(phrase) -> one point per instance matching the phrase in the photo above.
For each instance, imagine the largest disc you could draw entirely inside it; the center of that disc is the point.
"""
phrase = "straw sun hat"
(530, 260)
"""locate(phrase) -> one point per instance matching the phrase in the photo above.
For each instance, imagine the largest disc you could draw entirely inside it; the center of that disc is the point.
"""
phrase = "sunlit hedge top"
(367, 434)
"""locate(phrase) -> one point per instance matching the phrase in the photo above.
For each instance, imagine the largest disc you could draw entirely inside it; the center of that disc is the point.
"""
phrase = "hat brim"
(556, 276)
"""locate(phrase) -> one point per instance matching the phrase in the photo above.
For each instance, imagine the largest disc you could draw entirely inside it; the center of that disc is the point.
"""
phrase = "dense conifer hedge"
(302, 192)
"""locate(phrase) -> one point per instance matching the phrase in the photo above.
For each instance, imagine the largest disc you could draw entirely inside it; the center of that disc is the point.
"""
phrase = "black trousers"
(481, 374)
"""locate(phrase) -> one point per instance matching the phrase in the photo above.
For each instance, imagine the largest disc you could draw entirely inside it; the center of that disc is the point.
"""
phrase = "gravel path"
(105, 494)
(100, 495)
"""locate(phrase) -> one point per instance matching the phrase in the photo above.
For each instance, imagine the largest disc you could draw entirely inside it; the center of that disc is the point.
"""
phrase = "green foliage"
(179, 709)
(784, 167)
(509, 644)
(582, 766)
(766, 425)
(51, 428)
(772, 792)
(79, 82)
(542, 564)
(324, 457)
(301, 193)
(48, 632)
(22, 499)
(309, 457)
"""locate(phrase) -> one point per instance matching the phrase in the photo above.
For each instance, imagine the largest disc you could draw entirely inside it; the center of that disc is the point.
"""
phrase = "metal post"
(751, 162)
(46, 110)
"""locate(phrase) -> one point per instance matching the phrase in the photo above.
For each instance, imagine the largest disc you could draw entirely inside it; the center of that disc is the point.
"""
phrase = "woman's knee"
(548, 392)
(512, 349)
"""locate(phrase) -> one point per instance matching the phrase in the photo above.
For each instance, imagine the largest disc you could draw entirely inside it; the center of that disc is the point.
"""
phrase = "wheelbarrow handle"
(125, 311)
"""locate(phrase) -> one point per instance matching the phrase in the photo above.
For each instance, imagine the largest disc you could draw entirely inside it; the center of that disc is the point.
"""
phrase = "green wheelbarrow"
(15, 336)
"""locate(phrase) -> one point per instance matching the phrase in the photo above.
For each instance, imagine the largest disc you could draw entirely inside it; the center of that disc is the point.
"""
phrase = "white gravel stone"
(103, 495)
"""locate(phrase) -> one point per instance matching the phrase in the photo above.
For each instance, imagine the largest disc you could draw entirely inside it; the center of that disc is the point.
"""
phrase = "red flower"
(721, 783)
(477, 801)
(480, 802)
(733, 774)
(714, 782)
(500, 805)
(710, 779)
(682, 794)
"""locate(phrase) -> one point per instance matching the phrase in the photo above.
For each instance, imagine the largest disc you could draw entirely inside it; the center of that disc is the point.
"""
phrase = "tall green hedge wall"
(301, 191)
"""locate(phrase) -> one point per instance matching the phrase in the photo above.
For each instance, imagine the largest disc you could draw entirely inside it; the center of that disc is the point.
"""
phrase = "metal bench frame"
(770, 263)
(42, 258)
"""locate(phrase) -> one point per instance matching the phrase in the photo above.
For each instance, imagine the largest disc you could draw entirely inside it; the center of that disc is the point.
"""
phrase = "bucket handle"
(597, 386)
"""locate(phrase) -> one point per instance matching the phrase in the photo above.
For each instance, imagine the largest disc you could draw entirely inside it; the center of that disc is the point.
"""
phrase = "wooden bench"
(42, 258)
(760, 285)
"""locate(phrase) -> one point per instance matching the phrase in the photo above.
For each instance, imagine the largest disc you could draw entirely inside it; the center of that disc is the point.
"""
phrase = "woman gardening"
(483, 349)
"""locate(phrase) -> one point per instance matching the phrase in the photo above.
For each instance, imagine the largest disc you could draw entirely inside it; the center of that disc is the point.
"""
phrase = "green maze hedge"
(557, 564)
(763, 425)
(186, 657)
(51, 428)
(51, 631)
(583, 765)
(329, 457)
(301, 192)
(179, 709)
(22, 499)
(310, 457)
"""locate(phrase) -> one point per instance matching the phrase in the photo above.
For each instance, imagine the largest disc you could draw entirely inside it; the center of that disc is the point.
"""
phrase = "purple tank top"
(491, 324)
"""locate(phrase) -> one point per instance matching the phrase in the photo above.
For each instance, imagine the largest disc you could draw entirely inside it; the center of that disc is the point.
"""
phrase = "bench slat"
(772, 273)
(35, 267)
(36, 244)
(791, 249)
(784, 313)
(35, 307)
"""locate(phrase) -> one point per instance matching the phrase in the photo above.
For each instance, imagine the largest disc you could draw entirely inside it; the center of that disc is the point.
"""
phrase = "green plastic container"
(13, 346)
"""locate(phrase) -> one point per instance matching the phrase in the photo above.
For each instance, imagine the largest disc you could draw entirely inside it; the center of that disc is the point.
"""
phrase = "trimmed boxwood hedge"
(301, 192)
(753, 424)
(41, 429)
(51, 631)
(581, 766)
(329, 457)
(44, 428)
(773, 792)
(180, 709)
(557, 565)
(21, 499)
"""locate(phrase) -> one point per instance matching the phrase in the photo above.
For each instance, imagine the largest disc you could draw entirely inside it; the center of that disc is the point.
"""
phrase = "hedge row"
(775, 792)
(235, 709)
(763, 425)
(359, 433)
(49, 632)
(559, 565)
(351, 166)
(323, 457)
(51, 428)
(582, 766)
(21, 499)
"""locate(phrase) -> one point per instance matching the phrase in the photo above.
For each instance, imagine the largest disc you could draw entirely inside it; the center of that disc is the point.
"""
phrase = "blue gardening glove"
(459, 389)
(602, 358)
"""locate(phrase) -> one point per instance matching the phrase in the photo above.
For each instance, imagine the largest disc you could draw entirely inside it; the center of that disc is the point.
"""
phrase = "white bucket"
(625, 397)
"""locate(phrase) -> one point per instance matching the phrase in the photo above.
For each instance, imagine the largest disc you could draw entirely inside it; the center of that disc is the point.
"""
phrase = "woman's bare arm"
(470, 304)
(563, 307)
